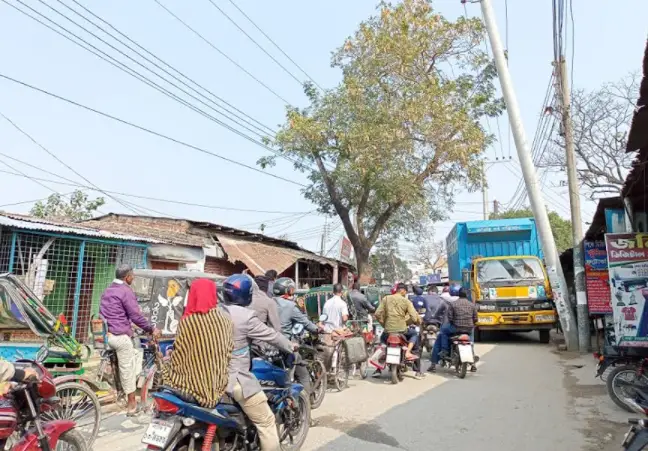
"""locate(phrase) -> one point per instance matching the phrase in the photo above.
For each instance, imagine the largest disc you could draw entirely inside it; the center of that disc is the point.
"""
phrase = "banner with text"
(627, 255)
(597, 280)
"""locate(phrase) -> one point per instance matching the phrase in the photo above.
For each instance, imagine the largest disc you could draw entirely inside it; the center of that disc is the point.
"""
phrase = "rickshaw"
(23, 317)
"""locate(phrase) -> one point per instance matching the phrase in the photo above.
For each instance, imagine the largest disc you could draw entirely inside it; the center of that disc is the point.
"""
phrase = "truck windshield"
(509, 269)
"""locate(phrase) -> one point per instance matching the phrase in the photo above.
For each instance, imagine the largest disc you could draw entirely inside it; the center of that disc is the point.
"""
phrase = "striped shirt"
(200, 358)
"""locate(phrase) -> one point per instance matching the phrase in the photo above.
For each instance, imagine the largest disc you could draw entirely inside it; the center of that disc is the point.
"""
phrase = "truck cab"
(511, 293)
(499, 262)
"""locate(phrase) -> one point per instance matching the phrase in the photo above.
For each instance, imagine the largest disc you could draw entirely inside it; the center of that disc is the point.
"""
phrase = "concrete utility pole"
(582, 312)
(496, 205)
(554, 269)
(324, 237)
(484, 191)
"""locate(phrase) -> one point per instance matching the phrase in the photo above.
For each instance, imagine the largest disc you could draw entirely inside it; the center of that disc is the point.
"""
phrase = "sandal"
(134, 412)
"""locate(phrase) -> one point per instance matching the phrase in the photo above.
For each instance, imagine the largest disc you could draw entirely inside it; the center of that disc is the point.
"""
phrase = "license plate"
(157, 433)
(466, 354)
(393, 355)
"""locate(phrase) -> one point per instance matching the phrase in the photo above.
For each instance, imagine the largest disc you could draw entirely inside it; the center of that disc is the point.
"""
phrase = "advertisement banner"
(345, 249)
(627, 255)
(597, 280)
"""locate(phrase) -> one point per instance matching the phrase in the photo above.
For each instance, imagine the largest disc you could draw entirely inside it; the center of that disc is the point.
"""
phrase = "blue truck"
(500, 263)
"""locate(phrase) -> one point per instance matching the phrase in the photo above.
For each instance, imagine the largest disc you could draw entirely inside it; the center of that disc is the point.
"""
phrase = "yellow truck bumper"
(537, 320)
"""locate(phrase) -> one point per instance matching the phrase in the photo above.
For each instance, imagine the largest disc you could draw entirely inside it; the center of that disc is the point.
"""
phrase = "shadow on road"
(502, 337)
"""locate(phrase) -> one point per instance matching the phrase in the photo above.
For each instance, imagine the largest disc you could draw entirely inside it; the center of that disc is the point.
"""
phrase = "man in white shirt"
(336, 310)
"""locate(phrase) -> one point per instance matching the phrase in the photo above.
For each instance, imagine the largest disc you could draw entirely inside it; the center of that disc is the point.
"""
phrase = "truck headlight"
(544, 305)
(545, 318)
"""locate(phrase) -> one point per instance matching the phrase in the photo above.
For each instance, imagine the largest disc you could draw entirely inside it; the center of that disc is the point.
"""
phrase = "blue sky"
(609, 42)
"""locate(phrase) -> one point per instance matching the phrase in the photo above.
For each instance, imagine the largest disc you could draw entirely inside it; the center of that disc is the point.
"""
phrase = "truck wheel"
(545, 336)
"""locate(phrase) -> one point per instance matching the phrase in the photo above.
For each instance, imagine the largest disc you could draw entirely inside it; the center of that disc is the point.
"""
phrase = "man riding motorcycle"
(395, 314)
(242, 386)
(422, 305)
(289, 315)
(460, 318)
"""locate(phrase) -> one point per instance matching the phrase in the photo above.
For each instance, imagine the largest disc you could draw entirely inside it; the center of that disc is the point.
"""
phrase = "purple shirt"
(119, 308)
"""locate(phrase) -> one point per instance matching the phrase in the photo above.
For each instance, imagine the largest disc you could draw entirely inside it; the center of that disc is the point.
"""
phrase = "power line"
(30, 201)
(275, 44)
(137, 196)
(269, 129)
(147, 130)
(301, 83)
(231, 60)
(138, 75)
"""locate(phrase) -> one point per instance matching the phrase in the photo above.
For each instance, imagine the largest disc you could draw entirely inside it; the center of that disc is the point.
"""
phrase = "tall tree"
(601, 120)
(561, 228)
(387, 148)
(432, 254)
(78, 208)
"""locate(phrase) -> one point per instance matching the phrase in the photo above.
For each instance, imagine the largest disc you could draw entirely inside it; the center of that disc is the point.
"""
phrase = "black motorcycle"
(636, 439)
(311, 353)
(627, 364)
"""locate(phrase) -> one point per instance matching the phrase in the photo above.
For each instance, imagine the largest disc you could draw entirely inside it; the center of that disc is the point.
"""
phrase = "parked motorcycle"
(636, 439)
(311, 353)
(627, 366)
(21, 426)
(461, 355)
(180, 424)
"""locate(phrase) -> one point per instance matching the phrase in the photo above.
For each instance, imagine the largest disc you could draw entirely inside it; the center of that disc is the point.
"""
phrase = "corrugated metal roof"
(45, 225)
(260, 257)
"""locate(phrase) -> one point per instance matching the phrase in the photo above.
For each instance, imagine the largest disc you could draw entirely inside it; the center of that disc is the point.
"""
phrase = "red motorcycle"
(20, 424)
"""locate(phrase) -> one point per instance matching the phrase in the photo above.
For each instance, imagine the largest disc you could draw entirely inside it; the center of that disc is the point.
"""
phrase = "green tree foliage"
(561, 228)
(401, 133)
(78, 208)
(387, 266)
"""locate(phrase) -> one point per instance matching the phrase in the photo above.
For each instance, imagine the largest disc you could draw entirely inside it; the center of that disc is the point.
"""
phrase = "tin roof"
(25, 222)
(260, 257)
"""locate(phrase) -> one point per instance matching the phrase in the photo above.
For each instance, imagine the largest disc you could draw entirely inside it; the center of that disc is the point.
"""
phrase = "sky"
(609, 38)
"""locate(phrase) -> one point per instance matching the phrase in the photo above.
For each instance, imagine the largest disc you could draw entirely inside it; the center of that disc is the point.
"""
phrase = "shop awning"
(260, 257)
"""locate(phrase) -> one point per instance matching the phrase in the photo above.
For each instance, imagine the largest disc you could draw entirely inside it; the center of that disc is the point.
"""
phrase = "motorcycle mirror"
(297, 329)
(42, 354)
(323, 317)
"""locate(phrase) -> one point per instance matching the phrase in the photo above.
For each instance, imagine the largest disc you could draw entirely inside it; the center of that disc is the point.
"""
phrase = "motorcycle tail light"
(464, 337)
(165, 406)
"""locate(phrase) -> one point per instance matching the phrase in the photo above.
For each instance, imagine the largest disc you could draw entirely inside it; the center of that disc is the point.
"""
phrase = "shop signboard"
(597, 280)
(627, 255)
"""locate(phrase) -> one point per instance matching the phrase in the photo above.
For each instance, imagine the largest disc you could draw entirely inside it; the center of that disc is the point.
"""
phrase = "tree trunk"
(362, 263)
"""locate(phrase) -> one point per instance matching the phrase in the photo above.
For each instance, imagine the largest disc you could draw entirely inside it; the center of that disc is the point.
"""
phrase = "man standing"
(336, 310)
(362, 306)
(264, 306)
(396, 313)
(119, 309)
(271, 274)
(461, 317)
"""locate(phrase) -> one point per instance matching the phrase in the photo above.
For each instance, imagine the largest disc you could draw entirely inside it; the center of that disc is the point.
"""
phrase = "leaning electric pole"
(582, 312)
(554, 269)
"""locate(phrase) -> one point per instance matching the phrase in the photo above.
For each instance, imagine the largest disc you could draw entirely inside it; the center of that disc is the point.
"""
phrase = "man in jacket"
(362, 306)
(289, 315)
(396, 313)
(264, 306)
(242, 386)
(119, 309)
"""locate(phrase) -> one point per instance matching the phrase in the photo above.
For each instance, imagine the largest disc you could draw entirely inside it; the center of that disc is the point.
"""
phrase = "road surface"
(525, 396)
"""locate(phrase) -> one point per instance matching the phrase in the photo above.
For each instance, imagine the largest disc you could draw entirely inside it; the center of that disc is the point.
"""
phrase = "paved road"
(525, 396)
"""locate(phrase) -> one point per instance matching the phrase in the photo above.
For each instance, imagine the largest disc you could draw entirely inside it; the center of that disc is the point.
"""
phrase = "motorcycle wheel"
(296, 436)
(462, 369)
(616, 393)
(74, 441)
(318, 371)
(393, 369)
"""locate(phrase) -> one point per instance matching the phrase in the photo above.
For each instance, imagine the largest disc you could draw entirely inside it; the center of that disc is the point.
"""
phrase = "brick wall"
(222, 267)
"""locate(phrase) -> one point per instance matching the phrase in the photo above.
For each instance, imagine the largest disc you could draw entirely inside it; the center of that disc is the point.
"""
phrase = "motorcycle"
(636, 439)
(461, 355)
(310, 351)
(394, 353)
(21, 425)
(428, 336)
(179, 423)
(626, 364)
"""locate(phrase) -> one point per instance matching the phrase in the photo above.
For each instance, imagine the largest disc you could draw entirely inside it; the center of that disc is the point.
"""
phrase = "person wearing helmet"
(289, 315)
(421, 304)
(460, 318)
(242, 386)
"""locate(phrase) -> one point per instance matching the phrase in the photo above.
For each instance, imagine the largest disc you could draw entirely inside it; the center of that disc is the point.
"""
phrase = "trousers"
(258, 411)
(128, 360)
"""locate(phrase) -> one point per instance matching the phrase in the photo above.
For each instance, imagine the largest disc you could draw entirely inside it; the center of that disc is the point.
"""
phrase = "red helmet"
(394, 289)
